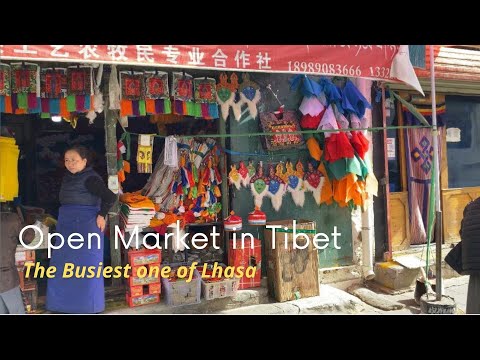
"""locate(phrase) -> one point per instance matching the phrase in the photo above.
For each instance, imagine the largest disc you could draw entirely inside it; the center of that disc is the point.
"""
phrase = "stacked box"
(28, 286)
(247, 257)
(146, 289)
(180, 292)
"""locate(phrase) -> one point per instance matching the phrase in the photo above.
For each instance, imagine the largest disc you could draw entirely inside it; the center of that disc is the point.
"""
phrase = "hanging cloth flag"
(25, 81)
(5, 89)
(313, 181)
(276, 188)
(258, 185)
(206, 106)
(145, 153)
(80, 89)
(182, 92)
(308, 87)
(132, 93)
(157, 95)
(53, 92)
(250, 95)
(226, 93)
(359, 142)
(353, 100)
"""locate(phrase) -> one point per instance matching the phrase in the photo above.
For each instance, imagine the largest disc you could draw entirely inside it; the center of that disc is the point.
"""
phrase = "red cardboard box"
(247, 257)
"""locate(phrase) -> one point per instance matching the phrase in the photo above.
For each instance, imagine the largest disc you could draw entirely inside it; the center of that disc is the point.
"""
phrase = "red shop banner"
(378, 62)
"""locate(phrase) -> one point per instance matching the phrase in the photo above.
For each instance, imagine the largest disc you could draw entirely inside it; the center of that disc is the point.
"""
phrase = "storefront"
(254, 86)
(457, 88)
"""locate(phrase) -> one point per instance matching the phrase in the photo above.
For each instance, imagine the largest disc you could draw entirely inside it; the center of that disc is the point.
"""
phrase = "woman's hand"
(101, 223)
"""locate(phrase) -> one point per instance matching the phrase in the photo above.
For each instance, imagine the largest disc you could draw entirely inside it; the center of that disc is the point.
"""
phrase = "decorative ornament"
(313, 181)
(145, 153)
(295, 182)
(226, 93)
(276, 188)
(258, 185)
(250, 95)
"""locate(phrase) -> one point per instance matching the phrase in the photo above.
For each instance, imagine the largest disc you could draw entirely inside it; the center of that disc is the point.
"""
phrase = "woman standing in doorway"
(85, 202)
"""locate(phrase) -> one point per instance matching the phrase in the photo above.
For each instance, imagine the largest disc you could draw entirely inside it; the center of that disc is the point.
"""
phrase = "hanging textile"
(144, 153)
(5, 89)
(53, 92)
(132, 94)
(157, 95)
(419, 153)
(205, 95)
(25, 82)
(182, 92)
(80, 89)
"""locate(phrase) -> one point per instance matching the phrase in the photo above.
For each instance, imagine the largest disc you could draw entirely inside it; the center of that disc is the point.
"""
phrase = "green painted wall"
(326, 217)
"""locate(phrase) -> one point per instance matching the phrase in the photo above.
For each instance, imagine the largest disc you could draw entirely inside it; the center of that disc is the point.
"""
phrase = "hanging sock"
(150, 106)
(88, 104)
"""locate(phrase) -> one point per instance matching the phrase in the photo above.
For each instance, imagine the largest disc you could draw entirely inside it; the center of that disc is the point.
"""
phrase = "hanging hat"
(257, 217)
(233, 222)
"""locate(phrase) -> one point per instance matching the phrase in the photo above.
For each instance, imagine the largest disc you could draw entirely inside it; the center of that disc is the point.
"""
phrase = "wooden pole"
(111, 154)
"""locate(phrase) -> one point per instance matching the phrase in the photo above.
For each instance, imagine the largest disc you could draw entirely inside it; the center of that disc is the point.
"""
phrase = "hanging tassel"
(63, 107)
(32, 102)
(22, 102)
(71, 103)
(213, 110)
(167, 106)
(150, 106)
(8, 104)
(54, 106)
(80, 103)
(141, 108)
(126, 108)
(88, 104)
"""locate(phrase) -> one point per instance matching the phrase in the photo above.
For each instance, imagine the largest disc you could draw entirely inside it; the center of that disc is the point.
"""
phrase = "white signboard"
(391, 149)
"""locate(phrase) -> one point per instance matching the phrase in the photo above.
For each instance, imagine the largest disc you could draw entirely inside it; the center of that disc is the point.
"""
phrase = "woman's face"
(74, 162)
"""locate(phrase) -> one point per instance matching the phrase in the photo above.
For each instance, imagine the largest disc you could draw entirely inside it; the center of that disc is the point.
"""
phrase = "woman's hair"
(80, 150)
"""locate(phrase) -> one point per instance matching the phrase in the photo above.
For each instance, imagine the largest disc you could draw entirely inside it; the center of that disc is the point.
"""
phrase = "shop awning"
(377, 62)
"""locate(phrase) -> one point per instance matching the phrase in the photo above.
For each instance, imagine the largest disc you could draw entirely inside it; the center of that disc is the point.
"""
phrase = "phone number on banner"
(324, 68)
(337, 69)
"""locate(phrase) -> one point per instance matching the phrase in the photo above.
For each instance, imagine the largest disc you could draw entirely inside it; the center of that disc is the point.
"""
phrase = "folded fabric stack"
(135, 210)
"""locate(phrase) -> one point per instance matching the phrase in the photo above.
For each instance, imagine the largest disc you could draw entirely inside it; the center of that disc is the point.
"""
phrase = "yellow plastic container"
(9, 154)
